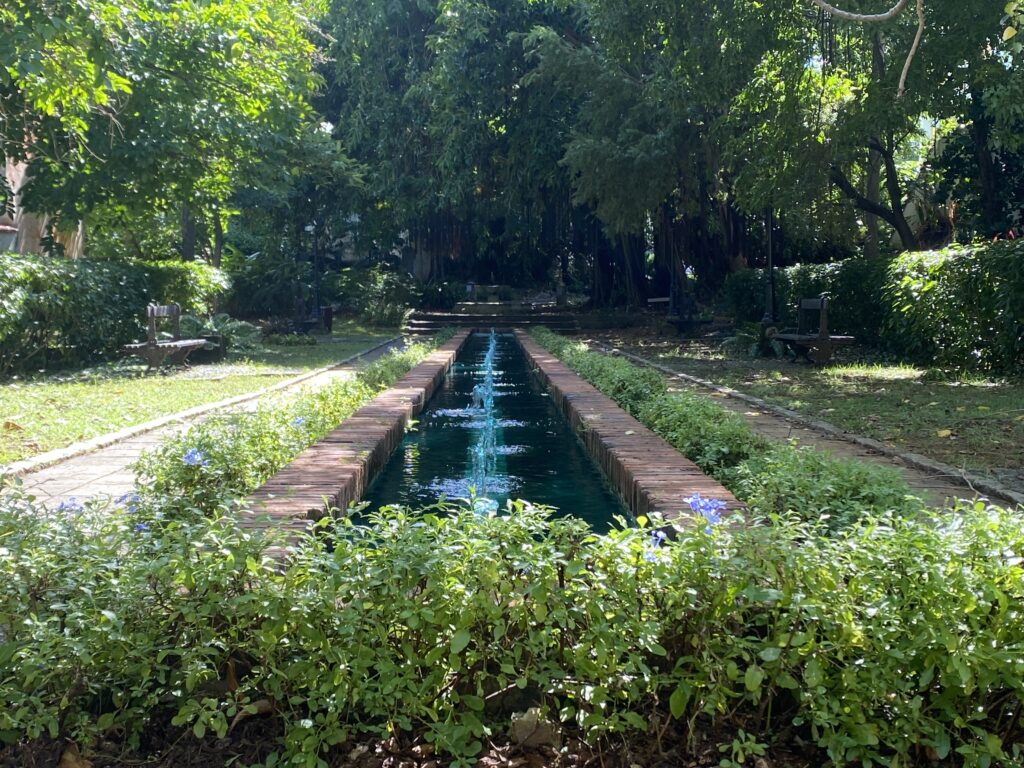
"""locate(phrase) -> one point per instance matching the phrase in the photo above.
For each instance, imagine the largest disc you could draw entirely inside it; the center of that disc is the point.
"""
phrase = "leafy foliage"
(961, 307)
(895, 635)
(57, 312)
(769, 478)
(231, 455)
(235, 334)
(856, 288)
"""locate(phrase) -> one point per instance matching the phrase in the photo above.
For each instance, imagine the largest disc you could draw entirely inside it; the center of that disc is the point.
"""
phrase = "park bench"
(685, 315)
(811, 339)
(155, 351)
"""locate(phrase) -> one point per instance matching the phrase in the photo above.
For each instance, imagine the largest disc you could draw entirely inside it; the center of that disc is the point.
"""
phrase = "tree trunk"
(872, 240)
(993, 219)
(188, 234)
(218, 237)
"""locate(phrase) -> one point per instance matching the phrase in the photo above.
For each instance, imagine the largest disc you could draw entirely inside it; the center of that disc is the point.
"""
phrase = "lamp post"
(769, 287)
(312, 230)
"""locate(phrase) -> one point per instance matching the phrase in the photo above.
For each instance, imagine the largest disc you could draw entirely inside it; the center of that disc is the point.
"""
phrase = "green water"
(537, 456)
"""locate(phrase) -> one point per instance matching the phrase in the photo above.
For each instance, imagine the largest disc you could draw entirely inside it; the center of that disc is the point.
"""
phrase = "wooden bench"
(685, 316)
(155, 351)
(811, 340)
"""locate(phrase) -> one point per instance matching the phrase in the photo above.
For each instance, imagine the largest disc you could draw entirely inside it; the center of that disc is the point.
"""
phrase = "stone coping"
(648, 473)
(334, 472)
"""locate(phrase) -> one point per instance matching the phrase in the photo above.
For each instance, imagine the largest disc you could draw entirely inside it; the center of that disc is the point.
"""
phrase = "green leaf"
(753, 677)
(1009, 33)
(678, 701)
(770, 654)
(460, 640)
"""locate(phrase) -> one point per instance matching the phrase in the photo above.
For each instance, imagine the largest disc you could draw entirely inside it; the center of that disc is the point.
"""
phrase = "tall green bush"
(856, 287)
(57, 311)
(63, 312)
(961, 307)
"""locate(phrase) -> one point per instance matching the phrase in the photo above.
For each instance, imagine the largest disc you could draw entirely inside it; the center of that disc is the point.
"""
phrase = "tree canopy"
(611, 145)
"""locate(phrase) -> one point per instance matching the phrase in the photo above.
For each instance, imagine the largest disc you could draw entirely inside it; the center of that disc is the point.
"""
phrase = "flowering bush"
(230, 456)
(893, 641)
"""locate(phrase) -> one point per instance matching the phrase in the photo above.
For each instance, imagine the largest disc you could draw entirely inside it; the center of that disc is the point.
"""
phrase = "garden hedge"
(960, 307)
(770, 478)
(56, 312)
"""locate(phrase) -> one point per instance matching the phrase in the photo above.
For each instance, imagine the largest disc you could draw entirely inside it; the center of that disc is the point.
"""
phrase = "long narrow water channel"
(492, 428)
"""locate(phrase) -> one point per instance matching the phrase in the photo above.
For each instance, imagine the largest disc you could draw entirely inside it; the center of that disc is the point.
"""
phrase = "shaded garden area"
(306, 180)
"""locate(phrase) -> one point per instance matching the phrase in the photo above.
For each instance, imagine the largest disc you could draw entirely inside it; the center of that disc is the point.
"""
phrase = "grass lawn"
(46, 412)
(968, 422)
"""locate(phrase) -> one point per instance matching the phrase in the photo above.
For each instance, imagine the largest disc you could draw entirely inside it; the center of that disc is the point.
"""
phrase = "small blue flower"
(298, 421)
(651, 551)
(195, 458)
(706, 508)
(130, 501)
(70, 505)
(140, 527)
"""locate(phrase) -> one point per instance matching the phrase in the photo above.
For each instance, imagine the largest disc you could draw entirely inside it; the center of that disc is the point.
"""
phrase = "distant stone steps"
(422, 323)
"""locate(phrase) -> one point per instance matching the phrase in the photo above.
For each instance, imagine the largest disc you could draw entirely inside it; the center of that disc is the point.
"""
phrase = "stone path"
(935, 487)
(107, 471)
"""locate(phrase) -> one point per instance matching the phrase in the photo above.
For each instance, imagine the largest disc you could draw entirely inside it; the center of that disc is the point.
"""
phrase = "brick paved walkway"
(107, 471)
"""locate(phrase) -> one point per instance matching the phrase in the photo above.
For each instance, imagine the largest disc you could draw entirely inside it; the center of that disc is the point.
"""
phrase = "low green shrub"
(818, 486)
(57, 312)
(897, 642)
(769, 478)
(290, 340)
(711, 437)
(229, 456)
(630, 387)
(236, 335)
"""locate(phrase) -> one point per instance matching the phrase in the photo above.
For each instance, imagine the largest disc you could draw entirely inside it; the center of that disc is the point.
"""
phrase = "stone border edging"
(916, 460)
(336, 470)
(57, 455)
(648, 473)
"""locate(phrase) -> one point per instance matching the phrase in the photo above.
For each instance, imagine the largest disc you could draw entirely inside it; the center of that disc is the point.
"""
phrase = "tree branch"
(871, 18)
(889, 15)
(870, 206)
(913, 49)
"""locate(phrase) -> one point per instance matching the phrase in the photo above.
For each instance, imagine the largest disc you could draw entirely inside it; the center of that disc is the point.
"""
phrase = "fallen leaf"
(630, 431)
(72, 758)
(1019, 418)
(13, 426)
(984, 408)
(960, 409)
(944, 433)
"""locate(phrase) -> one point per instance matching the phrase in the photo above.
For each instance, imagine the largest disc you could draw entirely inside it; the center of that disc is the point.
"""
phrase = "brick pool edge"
(335, 471)
(648, 473)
